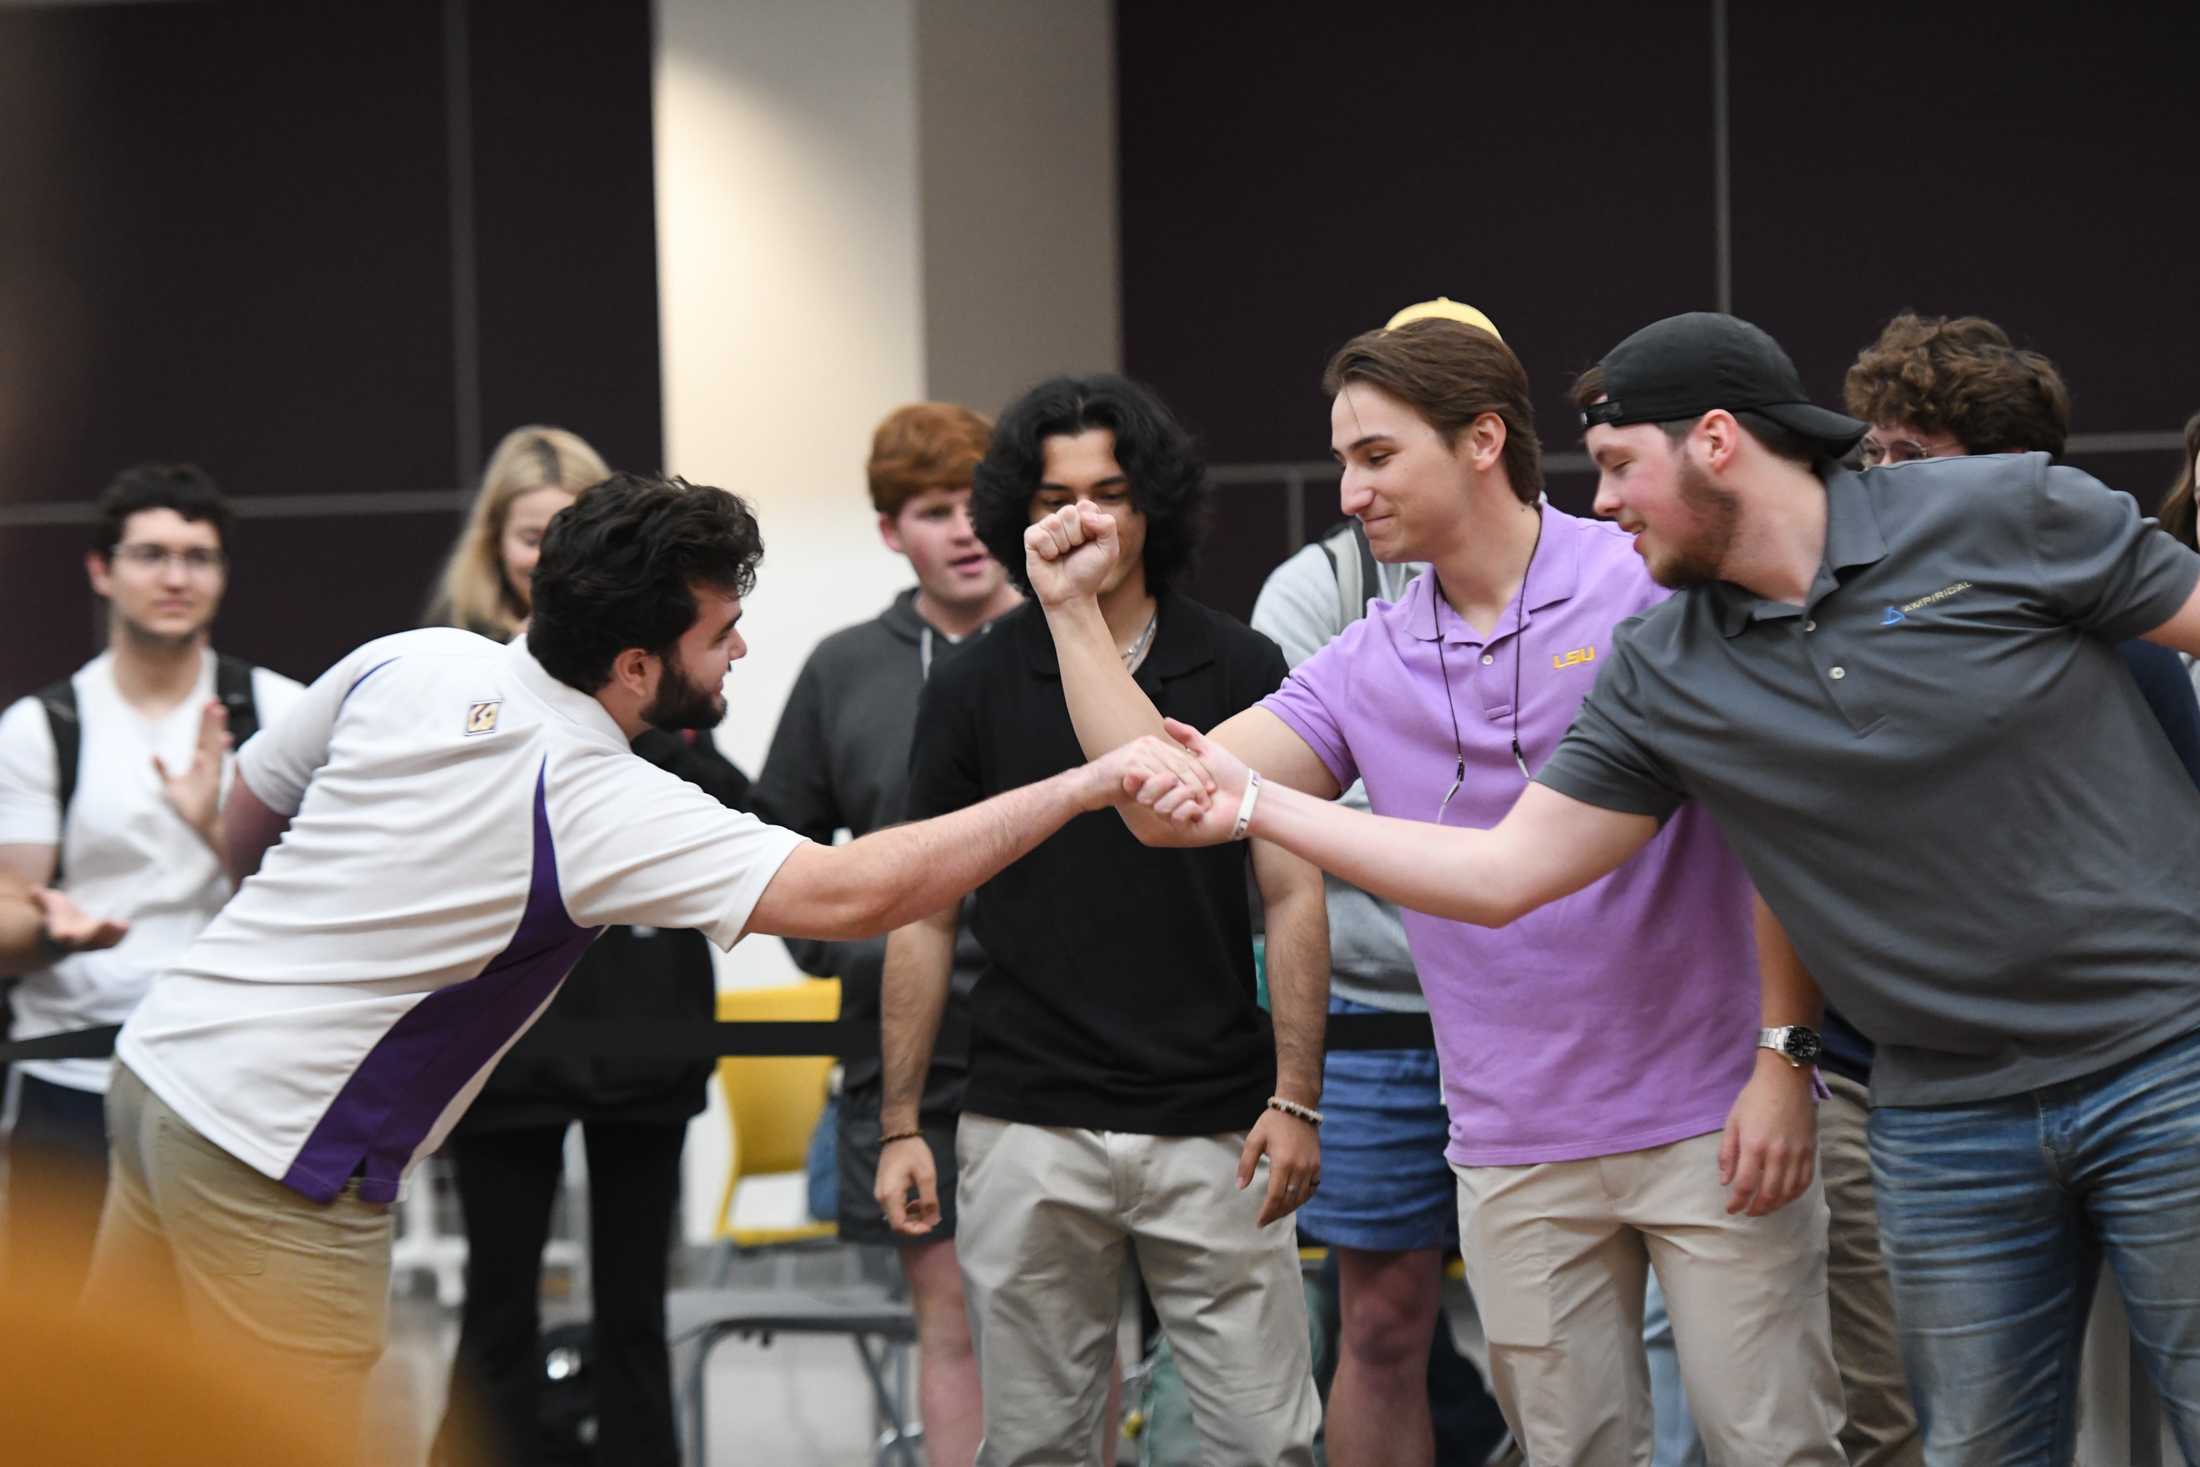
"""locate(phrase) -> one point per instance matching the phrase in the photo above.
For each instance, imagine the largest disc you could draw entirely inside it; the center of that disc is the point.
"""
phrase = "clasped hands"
(1192, 784)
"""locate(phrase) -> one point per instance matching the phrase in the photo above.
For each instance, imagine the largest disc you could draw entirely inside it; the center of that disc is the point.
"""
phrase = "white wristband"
(1246, 804)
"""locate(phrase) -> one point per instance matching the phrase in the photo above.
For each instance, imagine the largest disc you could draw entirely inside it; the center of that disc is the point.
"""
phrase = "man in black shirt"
(1120, 1066)
(840, 761)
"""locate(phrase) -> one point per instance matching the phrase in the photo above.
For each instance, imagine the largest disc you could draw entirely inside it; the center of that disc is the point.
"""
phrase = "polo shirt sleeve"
(945, 772)
(638, 846)
(1306, 704)
(2099, 563)
(1606, 759)
(279, 761)
(30, 785)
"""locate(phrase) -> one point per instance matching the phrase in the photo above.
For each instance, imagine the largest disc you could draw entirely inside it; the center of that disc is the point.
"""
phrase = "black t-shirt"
(1118, 992)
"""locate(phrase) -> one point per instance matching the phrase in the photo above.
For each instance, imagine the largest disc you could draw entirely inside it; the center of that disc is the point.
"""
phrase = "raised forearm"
(920, 962)
(1298, 970)
(1106, 705)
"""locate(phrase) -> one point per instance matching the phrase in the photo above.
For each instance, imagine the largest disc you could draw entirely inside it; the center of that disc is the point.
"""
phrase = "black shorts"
(857, 1148)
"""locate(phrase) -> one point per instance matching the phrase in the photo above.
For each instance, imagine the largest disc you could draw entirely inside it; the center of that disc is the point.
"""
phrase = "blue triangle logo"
(1893, 615)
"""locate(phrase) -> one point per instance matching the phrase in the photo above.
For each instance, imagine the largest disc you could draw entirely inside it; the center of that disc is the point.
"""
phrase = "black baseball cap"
(1684, 366)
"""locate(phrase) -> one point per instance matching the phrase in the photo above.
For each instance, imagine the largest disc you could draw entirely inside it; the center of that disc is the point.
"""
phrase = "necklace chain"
(1137, 653)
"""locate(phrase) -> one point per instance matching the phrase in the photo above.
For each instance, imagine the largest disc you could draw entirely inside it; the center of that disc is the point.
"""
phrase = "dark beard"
(1717, 511)
(680, 704)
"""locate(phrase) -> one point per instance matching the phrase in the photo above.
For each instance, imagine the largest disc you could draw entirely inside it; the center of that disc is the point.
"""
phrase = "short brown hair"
(926, 445)
(1450, 373)
(1961, 375)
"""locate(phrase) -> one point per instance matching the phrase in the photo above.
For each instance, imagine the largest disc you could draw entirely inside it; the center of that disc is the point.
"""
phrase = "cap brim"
(1837, 431)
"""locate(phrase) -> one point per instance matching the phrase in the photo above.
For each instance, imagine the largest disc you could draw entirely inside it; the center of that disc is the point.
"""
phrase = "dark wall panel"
(566, 222)
(232, 245)
(234, 234)
(1288, 183)
(2033, 164)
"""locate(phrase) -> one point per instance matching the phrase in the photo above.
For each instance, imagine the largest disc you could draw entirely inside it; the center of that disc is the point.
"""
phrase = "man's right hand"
(69, 928)
(1069, 554)
(905, 1166)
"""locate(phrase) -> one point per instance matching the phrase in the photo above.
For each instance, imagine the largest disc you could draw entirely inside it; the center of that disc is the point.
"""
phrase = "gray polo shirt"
(1938, 770)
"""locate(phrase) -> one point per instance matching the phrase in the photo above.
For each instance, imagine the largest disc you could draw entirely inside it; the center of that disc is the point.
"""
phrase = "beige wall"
(861, 203)
(1016, 113)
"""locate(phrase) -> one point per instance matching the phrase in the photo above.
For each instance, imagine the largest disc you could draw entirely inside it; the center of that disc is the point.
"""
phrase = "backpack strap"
(1371, 575)
(59, 702)
(1354, 564)
(233, 686)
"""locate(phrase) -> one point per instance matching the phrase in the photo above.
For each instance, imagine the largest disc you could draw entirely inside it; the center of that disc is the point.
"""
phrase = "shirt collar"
(1553, 576)
(1183, 642)
(1853, 538)
(574, 706)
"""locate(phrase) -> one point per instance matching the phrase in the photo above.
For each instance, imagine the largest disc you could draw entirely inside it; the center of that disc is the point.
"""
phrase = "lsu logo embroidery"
(1574, 658)
(481, 718)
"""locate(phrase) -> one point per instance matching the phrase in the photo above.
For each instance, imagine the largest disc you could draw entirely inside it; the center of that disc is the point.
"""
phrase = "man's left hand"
(1770, 1149)
(1294, 1153)
(195, 791)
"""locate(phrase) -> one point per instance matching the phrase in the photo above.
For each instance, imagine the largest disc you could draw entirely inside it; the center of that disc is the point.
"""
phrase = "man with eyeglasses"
(1614, 1105)
(109, 786)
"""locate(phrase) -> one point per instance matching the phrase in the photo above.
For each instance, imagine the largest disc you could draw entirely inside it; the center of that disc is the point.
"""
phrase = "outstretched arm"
(891, 877)
(1547, 846)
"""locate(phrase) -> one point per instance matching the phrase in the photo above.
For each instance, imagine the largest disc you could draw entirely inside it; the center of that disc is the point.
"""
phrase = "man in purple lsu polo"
(457, 819)
(1600, 1058)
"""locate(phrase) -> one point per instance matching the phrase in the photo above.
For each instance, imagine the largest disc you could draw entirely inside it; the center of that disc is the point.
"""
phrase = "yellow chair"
(772, 1104)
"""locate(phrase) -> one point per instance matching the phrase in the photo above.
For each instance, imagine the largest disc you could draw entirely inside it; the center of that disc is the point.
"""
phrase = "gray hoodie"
(840, 761)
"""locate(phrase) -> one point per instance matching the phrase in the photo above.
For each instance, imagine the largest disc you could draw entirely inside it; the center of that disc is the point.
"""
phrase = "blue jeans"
(1994, 1218)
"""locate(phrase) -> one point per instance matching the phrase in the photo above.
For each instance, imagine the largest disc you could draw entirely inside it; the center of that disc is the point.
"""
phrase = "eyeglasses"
(1893, 451)
(198, 560)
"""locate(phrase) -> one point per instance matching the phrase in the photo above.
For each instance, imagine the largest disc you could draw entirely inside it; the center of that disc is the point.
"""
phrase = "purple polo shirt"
(1622, 1017)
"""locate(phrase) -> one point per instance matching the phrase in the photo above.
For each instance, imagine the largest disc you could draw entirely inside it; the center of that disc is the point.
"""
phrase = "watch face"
(1803, 1045)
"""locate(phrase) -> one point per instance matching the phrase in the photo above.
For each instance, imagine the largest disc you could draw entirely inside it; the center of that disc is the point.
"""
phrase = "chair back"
(772, 1103)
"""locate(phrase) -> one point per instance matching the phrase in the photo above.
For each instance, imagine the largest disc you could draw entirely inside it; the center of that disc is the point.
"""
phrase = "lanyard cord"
(1520, 613)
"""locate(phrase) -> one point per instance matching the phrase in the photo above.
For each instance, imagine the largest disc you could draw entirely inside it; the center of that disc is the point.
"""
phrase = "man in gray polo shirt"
(1906, 711)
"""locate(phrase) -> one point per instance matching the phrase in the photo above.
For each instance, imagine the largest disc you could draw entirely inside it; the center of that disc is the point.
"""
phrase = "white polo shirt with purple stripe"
(463, 825)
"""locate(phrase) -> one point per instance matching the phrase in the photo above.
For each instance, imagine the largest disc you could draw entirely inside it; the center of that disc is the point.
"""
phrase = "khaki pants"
(1555, 1256)
(293, 1290)
(1882, 1427)
(1048, 1216)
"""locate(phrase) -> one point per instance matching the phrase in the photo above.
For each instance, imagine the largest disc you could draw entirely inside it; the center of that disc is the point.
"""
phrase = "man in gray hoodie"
(840, 760)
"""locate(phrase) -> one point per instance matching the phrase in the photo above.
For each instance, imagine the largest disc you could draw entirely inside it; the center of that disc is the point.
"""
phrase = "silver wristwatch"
(1798, 1045)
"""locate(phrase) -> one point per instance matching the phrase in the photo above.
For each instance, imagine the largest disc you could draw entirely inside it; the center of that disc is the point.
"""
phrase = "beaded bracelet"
(1292, 1108)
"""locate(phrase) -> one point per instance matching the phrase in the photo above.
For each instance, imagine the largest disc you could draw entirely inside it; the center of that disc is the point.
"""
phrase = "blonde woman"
(534, 473)
(509, 1150)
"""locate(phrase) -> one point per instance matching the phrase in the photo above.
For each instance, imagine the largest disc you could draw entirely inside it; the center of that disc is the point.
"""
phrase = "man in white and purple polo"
(427, 841)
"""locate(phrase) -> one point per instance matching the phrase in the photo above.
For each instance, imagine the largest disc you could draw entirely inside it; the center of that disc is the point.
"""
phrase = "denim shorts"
(1385, 1183)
